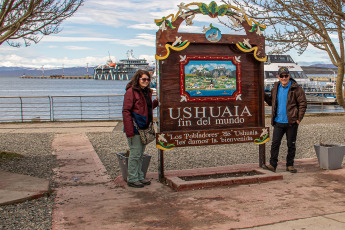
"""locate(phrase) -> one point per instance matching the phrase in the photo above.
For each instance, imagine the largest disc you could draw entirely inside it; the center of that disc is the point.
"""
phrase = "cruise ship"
(122, 70)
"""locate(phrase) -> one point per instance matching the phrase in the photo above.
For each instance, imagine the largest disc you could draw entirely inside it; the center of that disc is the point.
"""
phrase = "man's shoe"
(145, 182)
(135, 184)
(269, 167)
(291, 169)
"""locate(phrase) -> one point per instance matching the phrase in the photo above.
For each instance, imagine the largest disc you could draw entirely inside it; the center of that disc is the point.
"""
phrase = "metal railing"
(86, 108)
(61, 108)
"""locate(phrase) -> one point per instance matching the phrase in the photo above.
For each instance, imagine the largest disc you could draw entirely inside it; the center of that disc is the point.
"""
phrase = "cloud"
(77, 39)
(144, 26)
(77, 48)
(141, 39)
(49, 62)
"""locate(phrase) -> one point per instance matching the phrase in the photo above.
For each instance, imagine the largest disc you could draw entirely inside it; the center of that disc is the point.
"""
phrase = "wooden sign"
(169, 140)
(211, 85)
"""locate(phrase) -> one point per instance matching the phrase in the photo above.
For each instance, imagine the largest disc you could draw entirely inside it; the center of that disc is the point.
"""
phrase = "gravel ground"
(37, 160)
(329, 129)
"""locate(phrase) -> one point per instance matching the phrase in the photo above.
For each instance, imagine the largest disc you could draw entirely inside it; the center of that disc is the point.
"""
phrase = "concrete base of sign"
(176, 182)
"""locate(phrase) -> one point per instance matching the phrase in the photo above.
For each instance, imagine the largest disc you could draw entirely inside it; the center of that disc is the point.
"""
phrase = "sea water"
(22, 87)
(15, 86)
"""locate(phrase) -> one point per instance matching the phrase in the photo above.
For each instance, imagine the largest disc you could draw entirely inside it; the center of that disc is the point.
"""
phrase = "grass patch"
(9, 156)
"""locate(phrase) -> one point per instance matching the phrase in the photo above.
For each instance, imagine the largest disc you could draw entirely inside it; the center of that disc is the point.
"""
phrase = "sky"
(112, 27)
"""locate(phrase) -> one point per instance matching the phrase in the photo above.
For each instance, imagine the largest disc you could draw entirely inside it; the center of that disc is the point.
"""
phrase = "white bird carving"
(264, 132)
(183, 58)
(183, 98)
(238, 98)
(162, 138)
(240, 18)
(206, 29)
(234, 22)
(177, 41)
(163, 27)
(246, 42)
(183, 7)
(259, 32)
(184, 15)
(238, 58)
(189, 21)
(242, 11)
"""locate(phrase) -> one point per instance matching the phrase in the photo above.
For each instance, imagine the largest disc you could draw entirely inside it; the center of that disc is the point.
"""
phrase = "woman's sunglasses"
(145, 79)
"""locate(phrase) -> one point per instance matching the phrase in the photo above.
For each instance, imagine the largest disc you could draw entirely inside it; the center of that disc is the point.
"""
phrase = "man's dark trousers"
(291, 134)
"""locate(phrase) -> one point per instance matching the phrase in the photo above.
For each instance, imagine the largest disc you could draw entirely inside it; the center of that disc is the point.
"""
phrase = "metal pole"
(87, 69)
(81, 109)
(21, 108)
(50, 109)
(52, 98)
(109, 106)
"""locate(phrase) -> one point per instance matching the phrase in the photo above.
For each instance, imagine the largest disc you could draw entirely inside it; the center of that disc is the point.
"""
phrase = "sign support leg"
(262, 156)
(161, 176)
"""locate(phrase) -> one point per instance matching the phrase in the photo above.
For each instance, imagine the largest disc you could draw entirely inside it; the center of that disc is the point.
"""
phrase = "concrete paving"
(15, 188)
(87, 198)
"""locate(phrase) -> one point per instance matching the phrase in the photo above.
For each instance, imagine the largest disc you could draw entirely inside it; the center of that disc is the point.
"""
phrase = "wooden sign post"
(210, 85)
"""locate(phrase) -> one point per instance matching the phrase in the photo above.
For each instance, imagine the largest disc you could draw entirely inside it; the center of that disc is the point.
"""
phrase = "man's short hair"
(283, 70)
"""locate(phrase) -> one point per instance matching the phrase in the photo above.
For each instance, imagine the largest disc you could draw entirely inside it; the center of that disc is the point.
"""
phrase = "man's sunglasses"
(145, 79)
(284, 76)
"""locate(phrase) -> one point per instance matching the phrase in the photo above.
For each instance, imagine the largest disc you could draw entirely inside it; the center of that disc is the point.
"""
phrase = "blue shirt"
(281, 105)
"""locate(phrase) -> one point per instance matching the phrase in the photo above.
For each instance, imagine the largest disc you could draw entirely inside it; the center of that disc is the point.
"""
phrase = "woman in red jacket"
(138, 106)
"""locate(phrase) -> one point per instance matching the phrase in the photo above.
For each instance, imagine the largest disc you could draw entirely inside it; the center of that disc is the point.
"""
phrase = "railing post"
(109, 107)
(52, 108)
(21, 108)
(81, 108)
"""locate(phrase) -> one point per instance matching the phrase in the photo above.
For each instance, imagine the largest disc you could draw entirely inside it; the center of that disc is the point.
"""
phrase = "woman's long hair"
(134, 82)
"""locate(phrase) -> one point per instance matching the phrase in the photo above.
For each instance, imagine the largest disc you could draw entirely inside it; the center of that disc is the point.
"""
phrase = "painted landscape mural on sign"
(211, 78)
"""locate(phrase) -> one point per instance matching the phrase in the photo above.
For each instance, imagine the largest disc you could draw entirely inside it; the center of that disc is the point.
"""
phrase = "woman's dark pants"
(291, 134)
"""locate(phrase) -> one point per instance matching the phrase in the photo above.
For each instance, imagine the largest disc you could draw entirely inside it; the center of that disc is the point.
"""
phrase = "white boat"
(312, 88)
(272, 65)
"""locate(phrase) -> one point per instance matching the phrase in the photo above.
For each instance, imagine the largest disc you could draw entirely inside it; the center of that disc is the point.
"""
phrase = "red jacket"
(135, 107)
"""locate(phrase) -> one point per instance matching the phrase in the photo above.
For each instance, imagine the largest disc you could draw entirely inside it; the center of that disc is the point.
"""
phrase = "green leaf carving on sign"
(170, 25)
(213, 7)
(204, 9)
(213, 27)
(160, 23)
(242, 45)
(253, 28)
(222, 10)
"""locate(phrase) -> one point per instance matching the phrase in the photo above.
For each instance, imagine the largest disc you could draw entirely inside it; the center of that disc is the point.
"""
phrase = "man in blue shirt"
(289, 104)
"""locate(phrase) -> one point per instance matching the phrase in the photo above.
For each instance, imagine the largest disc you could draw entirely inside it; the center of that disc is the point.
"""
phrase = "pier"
(58, 77)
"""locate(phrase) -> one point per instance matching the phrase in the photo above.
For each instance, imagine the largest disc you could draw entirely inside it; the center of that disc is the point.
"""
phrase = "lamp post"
(43, 70)
(87, 69)
(63, 73)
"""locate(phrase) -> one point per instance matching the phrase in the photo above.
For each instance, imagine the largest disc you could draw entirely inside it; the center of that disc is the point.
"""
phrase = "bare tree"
(30, 20)
(296, 24)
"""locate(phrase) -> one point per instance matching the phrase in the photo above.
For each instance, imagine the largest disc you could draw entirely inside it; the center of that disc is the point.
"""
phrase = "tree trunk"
(339, 86)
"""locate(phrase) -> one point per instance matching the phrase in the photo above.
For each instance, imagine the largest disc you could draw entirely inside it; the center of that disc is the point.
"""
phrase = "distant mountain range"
(19, 71)
(82, 71)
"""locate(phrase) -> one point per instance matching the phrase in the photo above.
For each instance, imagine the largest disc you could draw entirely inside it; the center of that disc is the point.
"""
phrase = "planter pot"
(330, 156)
(123, 161)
